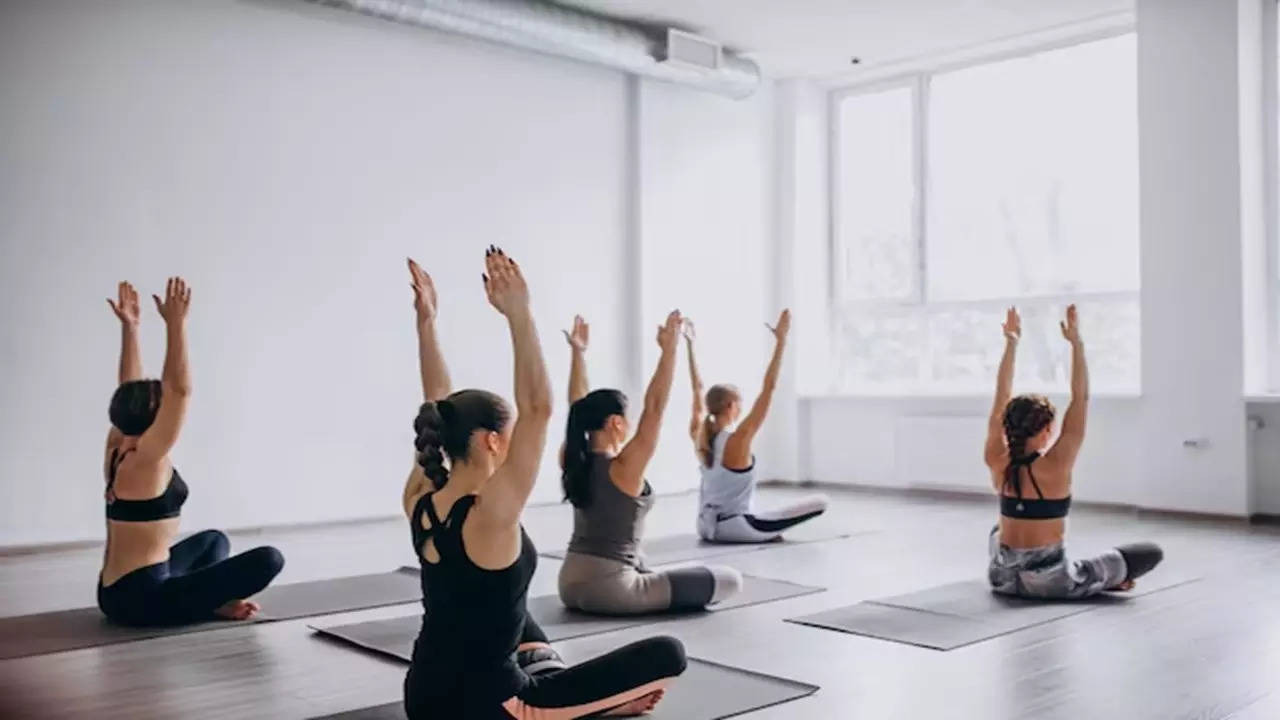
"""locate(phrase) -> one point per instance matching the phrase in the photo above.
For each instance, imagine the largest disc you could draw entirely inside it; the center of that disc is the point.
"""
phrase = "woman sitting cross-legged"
(604, 570)
(722, 441)
(479, 655)
(1031, 472)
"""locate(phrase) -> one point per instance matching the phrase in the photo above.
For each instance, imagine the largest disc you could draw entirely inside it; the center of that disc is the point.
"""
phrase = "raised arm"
(699, 411)
(431, 366)
(737, 449)
(627, 469)
(1073, 421)
(578, 339)
(994, 449)
(127, 309)
(507, 491)
(175, 380)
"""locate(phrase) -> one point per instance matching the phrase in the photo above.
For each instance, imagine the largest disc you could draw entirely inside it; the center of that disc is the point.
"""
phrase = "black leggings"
(600, 684)
(197, 579)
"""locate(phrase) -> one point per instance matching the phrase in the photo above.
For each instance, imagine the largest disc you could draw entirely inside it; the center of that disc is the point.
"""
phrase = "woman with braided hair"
(1031, 472)
(479, 654)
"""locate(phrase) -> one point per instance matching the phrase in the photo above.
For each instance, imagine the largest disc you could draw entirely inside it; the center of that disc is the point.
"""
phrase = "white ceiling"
(817, 38)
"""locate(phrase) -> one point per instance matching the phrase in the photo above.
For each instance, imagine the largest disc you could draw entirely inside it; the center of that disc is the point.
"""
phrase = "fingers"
(159, 304)
(114, 308)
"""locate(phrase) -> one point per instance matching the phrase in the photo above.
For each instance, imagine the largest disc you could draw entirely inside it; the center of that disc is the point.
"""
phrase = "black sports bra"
(167, 504)
(1015, 506)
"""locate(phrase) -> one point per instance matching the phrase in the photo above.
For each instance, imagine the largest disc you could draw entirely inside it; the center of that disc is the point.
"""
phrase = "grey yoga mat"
(706, 691)
(394, 636)
(962, 613)
(25, 635)
(681, 548)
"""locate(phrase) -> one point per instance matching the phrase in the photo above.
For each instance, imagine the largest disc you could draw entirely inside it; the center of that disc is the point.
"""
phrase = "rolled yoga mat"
(394, 636)
(682, 548)
(962, 613)
(26, 635)
(706, 691)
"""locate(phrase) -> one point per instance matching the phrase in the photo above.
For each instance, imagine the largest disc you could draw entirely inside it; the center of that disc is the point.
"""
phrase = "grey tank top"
(612, 523)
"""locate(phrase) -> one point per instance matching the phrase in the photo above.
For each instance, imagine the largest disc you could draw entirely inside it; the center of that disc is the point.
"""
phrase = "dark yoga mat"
(43, 633)
(962, 613)
(394, 636)
(682, 548)
(706, 691)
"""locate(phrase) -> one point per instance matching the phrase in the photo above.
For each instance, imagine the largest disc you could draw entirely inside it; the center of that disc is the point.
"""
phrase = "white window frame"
(919, 81)
(1271, 189)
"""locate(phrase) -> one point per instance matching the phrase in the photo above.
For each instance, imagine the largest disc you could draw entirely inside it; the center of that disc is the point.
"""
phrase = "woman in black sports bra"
(1031, 472)
(144, 581)
(479, 655)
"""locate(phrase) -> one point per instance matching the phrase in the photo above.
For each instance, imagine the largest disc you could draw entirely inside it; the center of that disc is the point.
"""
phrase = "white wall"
(285, 158)
(1201, 223)
(705, 213)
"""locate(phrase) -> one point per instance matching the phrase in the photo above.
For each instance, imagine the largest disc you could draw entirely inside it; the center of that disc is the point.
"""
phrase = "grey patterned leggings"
(1045, 572)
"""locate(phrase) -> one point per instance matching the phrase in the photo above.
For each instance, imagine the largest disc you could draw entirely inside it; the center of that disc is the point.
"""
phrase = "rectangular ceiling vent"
(691, 51)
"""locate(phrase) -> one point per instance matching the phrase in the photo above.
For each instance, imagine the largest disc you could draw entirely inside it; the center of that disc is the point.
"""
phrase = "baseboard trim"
(69, 545)
(980, 497)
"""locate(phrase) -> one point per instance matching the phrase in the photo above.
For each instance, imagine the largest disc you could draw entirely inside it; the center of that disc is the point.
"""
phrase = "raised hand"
(126, 307)
(783, 327)
(1071, 326)
(1012, 325)
(504, 284)
(177, 299)
(690, 333)
(669, 332)
(425, 302)
(580, 335)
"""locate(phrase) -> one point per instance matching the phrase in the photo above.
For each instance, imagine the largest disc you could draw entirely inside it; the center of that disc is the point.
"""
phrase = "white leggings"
(759, 527)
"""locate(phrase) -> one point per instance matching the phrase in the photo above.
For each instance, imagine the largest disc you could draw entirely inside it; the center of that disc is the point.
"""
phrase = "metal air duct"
(664, 54)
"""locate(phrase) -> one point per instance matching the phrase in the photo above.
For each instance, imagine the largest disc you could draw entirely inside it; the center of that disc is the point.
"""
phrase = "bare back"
(1053, 476)
(132, 545)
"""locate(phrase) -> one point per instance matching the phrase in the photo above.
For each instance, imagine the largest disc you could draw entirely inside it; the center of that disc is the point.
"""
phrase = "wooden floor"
(1210, 649)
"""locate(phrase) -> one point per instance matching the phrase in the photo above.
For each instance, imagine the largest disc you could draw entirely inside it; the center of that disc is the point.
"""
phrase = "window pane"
(1033, 177)
(876, 196)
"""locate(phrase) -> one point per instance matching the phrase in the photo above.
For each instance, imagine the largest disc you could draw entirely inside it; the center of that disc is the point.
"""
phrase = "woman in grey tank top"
(723, 445)
(604, 570)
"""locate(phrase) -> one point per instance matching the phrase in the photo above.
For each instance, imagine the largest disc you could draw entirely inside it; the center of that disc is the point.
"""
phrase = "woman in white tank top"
(723, 443)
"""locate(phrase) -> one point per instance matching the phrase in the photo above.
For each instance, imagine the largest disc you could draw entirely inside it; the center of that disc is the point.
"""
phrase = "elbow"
(177, 388)
(538, 407)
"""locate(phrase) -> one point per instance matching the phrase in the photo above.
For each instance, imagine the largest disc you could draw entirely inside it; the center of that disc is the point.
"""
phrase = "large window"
(961, 193)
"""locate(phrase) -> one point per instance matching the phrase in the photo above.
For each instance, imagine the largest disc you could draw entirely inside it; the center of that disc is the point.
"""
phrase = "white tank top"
(724, 492)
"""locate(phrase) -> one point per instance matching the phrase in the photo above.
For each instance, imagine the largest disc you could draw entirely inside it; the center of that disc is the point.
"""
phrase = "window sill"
(960, 396)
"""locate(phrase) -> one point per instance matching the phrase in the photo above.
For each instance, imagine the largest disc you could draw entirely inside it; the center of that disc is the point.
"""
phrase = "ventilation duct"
(664, 54)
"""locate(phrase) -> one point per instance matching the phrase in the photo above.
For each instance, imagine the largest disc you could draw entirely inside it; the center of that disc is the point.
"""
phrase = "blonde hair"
(719, 398)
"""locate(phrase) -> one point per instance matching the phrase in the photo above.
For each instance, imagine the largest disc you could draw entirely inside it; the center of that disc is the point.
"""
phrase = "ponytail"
(586, 416)
(718, 400)
(706, 442)
(443, 429)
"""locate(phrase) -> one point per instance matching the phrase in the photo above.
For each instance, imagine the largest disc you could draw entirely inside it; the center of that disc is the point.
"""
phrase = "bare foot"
(238, 610)
(640, 706)
(1125, 586)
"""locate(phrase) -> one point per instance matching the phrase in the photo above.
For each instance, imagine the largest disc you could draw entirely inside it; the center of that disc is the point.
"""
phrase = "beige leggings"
(611, 587)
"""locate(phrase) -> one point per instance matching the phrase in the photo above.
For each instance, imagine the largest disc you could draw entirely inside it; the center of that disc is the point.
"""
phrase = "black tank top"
(167, 504)
(463, 662)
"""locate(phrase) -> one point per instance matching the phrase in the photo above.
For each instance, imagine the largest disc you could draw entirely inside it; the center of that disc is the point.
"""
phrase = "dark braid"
(444, 428)
(1024, 417)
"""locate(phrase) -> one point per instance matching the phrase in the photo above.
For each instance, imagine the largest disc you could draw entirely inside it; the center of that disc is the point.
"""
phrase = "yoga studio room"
(554, 359)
